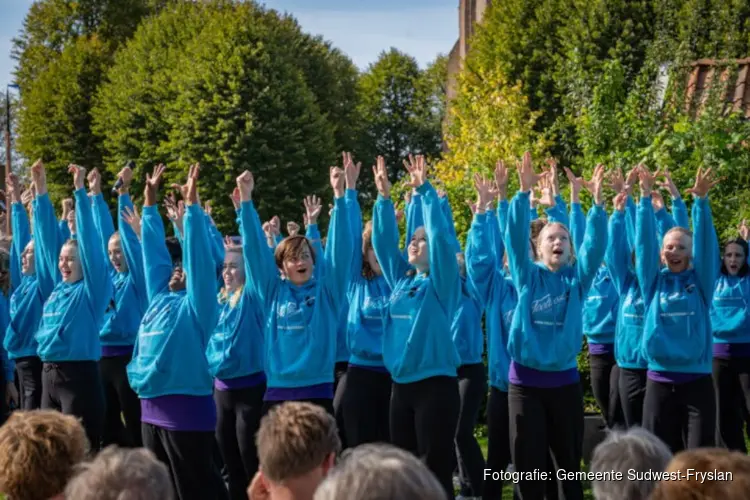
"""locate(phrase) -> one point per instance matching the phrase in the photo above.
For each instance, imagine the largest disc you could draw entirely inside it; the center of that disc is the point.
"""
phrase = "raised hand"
(276, 225)
(547, 198)
(95, 182)
(381, 178)
(292, 228)
(235, 197)
(616, 181)
(399, 215)
(133, 218)
(704, 181)
(151, 188)
(744, 230)
(596, 185)
(208, 208)
(485, 193)
(14, 187)
(646, 180)
(79, 176)
(313, 207)
(576, 184)
(620, 200)
(39, 177)
(631, 180)
(71, 218)
(554, 181)
(668, 184)
(351, 171)
(67, 207)
(417, 168)
(337, 179)
(126, 174)
(501, 179)
(245, 185)
(526, 175)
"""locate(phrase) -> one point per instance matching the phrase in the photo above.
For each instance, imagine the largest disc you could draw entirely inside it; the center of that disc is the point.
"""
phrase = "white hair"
(633, 450)
(380, 472)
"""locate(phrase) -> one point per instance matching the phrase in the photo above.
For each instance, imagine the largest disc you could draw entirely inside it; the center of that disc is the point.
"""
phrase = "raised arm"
(339, 245)
(705, 243)
(96, 277)
(354, 211)
(47, 241)
(197, 251)
(594, 244)
(481, 256)
(577, 225)
(385, 230)
(617, 257)
(157, 264)
(102, 218)
(261, 277)
(447, 211)
(646, 244)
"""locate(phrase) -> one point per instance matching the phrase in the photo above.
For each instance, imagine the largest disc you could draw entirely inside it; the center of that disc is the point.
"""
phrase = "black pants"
(732, 386)
(632, 385)
(366, 404)
(544, 420)
(605, 385)
(472, 388)
(326, 404)
(122, 403)
(423, 420)
(238, 413)
(498, 441)
(339, 387)
(190, 459)
(671, 408)
(29, 370)
(75, 388)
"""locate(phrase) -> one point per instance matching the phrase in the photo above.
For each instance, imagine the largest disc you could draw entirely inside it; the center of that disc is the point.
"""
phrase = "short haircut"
(121, 474)
(380, 472)
(706, 460)
(635, 449)
(292, 247)
(40, 450)
(294, 438)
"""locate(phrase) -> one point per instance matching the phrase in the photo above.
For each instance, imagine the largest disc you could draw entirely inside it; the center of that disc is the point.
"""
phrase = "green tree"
(400, 110)
(233, 86)
(55, 122)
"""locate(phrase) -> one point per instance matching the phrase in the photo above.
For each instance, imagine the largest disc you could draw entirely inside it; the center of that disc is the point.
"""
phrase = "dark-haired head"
(178, 281)
(734, 258)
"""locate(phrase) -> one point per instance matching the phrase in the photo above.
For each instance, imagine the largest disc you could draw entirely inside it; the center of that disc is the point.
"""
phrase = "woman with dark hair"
(730, 323)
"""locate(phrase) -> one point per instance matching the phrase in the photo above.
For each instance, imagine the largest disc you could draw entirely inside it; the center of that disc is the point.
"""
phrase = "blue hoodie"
(677, 334)
(730, 316)
(28, 297)
(547, 328)
(236, 348)
(169, 357)
(73, 313)
(496, 292)
(418, 343)
(7, 365)
(125, 309)
(368, 301)
(631, 309)
(301, 321)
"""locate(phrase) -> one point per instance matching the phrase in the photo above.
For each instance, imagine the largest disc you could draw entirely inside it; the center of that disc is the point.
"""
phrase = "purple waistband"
(599, 349)
(379, 369)
(726, 350)
(525, 376)
(320, 391)
(180, 413)
(112, 351)
(674, 377)
(240, 382)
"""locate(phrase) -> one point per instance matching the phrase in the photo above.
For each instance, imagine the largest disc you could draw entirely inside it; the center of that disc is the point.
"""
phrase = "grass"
(508, 488)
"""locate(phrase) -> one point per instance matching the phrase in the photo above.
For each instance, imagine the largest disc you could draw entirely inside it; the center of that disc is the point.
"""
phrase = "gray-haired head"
(380, 472)
(636, 451)
(121, 474)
